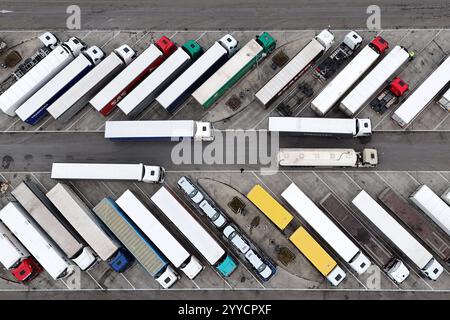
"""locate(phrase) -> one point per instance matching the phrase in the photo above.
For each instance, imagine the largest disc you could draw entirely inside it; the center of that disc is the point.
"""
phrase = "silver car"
(193, 193)
(236, 239)
(215, 216)
(263, 269)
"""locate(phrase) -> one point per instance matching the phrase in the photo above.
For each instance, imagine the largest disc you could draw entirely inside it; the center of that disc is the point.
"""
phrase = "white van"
(264, 271)
(186, 185)
(236, 239)
(215, 216)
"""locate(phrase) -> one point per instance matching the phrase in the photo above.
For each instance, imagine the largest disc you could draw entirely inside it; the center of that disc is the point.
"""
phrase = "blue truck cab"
(226, 266)
(121, 261)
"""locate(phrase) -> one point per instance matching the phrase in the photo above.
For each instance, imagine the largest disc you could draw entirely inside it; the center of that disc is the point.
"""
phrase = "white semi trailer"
(295, 68)
(446, 196)
(375, 80)
(40, 74)
(398, 235)
(159, 235)
(434, 207)
(108, 171)
(423, 95)
(74, 99)
(35, 240)
(326, 228)
(341, 83)
(445, 101)
(321, 126)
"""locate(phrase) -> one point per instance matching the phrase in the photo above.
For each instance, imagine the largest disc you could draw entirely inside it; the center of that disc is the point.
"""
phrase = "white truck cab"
(125, 53)
(192, 268)
(203, 131)
(433, 269)
(336, 276)
(75, 45)
(229, 43)
(360, 263)
(95, 54)
(86, 259)
(154, 174)
(326, 38)
(364, 127)
(49, 40)
(353, 40)
(397, 271)
(167, 278)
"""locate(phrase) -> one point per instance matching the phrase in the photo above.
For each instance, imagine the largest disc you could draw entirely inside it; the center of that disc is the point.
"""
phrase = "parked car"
(215, 216)
(187, 186)
(263, 269)
(236, 239)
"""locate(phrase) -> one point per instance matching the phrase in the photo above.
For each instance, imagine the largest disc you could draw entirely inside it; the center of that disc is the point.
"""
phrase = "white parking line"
(443, 120)
(440, 173)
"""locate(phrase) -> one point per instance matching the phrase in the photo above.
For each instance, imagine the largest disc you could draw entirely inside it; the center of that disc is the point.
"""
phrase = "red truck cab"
(398, 87)
(27, 270)
(379, 45)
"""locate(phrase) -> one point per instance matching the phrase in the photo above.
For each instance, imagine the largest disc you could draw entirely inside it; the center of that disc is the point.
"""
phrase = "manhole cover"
(12, 59)
(236, 205)
(280, 59)
(285, 256)
(234, 102)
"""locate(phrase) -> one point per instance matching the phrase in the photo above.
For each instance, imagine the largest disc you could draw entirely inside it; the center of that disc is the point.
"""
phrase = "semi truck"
(106, 100)
(295, 68)
(74, 99)
(416, 222)
(39, 75)
(32, 110)
(394, 267)
(389, 96)
(423, 95)
(349, 158)
(50, 220)
(194, 232)
(82, 220)
(433, 206)
(374, 81)
(15, 258)
(444, 102)
(340, 84)
(173, 130)
(175, 94)
(234, 69)
(446, 196)
(35, 240)
(335, 127)
(108, 171)
(135, 241)
(398, 235)
(147, 91)
(326, 228)
(300, 238)
(344, 51)
(159, 235)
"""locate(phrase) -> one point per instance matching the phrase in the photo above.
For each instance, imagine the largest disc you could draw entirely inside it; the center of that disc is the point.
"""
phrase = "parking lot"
(431, 46)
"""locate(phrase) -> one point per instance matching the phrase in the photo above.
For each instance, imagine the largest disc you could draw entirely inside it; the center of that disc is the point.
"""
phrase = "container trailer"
(193, 231)
(398, 235)
(106, 100)
(347, 158)
(344, 51)
(39, 75)
(423, 95)
(234, 69)
(394, 267)
(433, 206)
(74, 99)
(336, 89)
(35, 240)
(209, 62)
(389, 96)
(295, 68)
(173, 130)
(134, 240)
(108, 171)
(147, 91)
(374, 81)
(438, 241)
(327, 229)
(50, 220)
(444, 102)
(32, 110)
(336, 127)
(300, 238)
(159, 235)
(85, 223)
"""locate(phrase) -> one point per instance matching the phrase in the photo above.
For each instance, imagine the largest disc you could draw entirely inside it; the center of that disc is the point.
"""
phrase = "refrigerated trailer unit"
(50, 220)
(438, 241)
(401, 238)
(134, 240)
(321, 126)
(35, 240)
(32, 110)
(85, 223)
(301, 238)
(106, 100)
(234, 69)
(423, 95)
(374, 81)
(147, 91)
(74, 99)
(434, 207)
(393, 267)
(159, 235)
(108, 171)
(340, 84)
(173, 130)
(295, 68)
(174, 95)
(346, 158)
(326, 229)
(445, 101)
(208, 247)
(39, 75)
